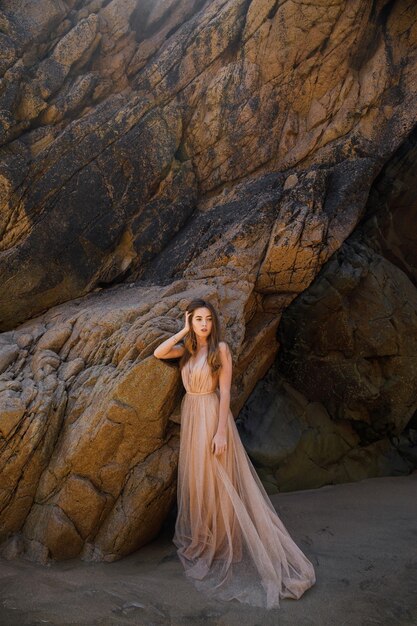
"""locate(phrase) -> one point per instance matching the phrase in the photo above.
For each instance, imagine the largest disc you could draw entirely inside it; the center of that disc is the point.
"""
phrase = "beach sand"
(361, 538)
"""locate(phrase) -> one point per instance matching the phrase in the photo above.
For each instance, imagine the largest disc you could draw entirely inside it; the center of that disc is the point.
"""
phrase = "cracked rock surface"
(345, 382)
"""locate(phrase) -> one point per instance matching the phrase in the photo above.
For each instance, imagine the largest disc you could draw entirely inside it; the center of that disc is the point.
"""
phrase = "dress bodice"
(197, 376)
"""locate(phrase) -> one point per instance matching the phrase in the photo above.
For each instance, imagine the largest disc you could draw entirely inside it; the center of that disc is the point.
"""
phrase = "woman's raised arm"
(168, 348)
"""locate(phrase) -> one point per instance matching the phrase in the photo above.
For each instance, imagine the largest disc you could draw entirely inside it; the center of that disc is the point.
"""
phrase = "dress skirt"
(228, 535)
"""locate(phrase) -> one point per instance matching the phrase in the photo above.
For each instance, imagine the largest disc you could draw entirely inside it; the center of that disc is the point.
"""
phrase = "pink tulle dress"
(228, 535)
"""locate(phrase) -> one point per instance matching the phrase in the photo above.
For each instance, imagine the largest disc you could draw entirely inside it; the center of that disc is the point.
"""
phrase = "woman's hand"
(218, 444)
(187, 321)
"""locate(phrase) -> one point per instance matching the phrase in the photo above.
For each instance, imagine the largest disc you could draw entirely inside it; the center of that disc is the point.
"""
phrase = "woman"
(229, 537)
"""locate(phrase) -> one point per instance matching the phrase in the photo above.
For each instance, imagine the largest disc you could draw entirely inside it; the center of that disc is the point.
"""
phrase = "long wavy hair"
(190, 339)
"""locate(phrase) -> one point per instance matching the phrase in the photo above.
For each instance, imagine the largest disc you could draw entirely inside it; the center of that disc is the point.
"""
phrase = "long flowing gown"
(228, 535)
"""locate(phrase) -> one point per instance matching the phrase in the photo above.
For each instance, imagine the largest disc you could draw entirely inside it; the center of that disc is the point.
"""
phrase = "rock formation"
(154, 151)
(349, 345)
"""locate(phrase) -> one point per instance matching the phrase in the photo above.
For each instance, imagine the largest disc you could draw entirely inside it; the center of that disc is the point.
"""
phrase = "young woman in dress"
(228, 535)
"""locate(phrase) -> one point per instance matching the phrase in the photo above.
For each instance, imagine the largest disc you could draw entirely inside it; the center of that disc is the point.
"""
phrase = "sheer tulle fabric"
(228, 535)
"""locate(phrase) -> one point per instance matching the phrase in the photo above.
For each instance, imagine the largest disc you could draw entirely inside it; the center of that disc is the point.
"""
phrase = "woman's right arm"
(168, 348)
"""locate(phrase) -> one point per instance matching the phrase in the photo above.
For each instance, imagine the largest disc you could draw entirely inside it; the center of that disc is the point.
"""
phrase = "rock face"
(125, 122)
(157, 151)
(296, 443)
(90, 463)
(351, 340)
(349, 345)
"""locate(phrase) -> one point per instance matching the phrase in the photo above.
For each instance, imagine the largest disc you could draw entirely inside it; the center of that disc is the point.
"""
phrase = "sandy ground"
(361, 537)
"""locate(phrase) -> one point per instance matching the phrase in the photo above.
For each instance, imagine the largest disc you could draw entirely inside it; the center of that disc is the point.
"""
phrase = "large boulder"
(351, 341)
(87, 440)
(295, 443)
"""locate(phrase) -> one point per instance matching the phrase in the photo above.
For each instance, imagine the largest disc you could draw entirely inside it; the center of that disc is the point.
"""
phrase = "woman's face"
(202, 322)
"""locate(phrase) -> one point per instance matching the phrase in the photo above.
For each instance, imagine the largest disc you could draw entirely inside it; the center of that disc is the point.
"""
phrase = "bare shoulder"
(224, 349)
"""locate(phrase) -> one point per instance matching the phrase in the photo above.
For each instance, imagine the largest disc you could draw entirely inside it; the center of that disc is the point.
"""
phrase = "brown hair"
(190, 340)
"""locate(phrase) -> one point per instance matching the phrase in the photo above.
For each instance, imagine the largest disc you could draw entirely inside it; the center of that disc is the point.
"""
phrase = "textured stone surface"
(295, 443)
(221, 149)
(349, 345)
(121, 120)
(353, 345)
